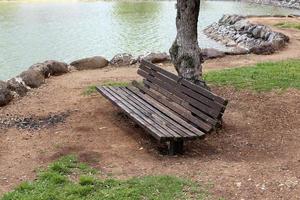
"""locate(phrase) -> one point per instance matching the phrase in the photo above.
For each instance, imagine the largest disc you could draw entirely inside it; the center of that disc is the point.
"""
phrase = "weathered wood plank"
(186, 83)
(182, 112)
(182, 89)
(166, 110)
(146, 112)
(172, 87)
(175, 125)
(142, 115)
(148, 127)
(157, 116)
(184, 104)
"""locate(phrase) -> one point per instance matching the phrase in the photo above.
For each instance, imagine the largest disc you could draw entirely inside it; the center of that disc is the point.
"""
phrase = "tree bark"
(185, 52)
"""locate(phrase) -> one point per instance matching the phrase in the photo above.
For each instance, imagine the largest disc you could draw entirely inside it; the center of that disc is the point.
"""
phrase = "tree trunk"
(185, 52)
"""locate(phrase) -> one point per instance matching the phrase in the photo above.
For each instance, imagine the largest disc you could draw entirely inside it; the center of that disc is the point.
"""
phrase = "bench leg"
(176, 147)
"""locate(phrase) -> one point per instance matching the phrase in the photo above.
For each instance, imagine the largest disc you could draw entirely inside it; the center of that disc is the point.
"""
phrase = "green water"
(34, 32)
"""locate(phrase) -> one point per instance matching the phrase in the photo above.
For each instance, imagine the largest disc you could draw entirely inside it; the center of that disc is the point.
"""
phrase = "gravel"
(33, 123)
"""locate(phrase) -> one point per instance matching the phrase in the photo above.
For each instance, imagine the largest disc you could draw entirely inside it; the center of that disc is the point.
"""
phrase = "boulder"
(242, 25)
(224, 19)
(17, 85)
(256, 32)
(96, 62)
(51, 68)
(230, 43)
(155, 57)
(264, 49)
(237, 51)
(42, 68)
(5, 94)
(210, 53)
(123, 59)
(71, 68)
(32, 78)
(56, 68)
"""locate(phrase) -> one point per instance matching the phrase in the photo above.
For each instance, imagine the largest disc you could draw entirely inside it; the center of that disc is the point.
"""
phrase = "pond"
(32, 32)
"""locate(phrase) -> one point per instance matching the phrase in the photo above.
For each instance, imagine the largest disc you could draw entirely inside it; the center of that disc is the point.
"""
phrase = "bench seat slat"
(160, 116)
(156, 133)
(146, 112)
(177, 123)
(166, 110)
(145, 115)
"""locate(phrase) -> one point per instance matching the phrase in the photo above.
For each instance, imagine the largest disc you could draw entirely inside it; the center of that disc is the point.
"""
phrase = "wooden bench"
(169, 108)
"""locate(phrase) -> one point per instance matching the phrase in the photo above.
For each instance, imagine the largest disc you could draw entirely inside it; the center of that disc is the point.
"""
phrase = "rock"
(96, 62)
(235, 18)
(155, 57)
(71, 68)
(231, 43)
(277, 36)
(265, 49)
(17, 85)
(51, 68)
(32, 78)
(242, 25)
(123, 59)
(241, 38)
(210, 53)
(256, 32)
(223, 19)
(5, 94)
(42, 68)
(263, 32)
(56, 68)
(237, 51)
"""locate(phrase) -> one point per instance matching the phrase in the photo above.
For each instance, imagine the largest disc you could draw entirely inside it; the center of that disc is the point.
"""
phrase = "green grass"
(116, 84)
(67, 179)
(294, 25)
(92, 88)
(261, 77)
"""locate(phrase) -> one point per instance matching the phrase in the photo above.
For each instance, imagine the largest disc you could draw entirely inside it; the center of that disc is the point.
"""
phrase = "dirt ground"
(255, 156)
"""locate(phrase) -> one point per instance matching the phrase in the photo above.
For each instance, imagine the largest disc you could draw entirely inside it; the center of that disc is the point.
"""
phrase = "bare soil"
(255, 156)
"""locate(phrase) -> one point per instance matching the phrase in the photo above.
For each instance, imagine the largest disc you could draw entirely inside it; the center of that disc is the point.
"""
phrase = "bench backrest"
(192, 102)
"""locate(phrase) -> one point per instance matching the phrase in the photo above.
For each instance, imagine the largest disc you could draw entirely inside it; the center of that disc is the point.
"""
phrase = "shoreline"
(227, 52)
(18, 87)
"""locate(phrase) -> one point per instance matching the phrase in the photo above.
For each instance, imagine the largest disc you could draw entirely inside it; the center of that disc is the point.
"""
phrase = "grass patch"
(294, 25)
(261, 77)
(92, 88)
(116, 84)
(54, 183)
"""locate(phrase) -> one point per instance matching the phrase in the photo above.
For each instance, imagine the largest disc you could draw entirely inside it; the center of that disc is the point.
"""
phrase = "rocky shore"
(231, 30)
(295, 4)
(238, 32)
(36, 74)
